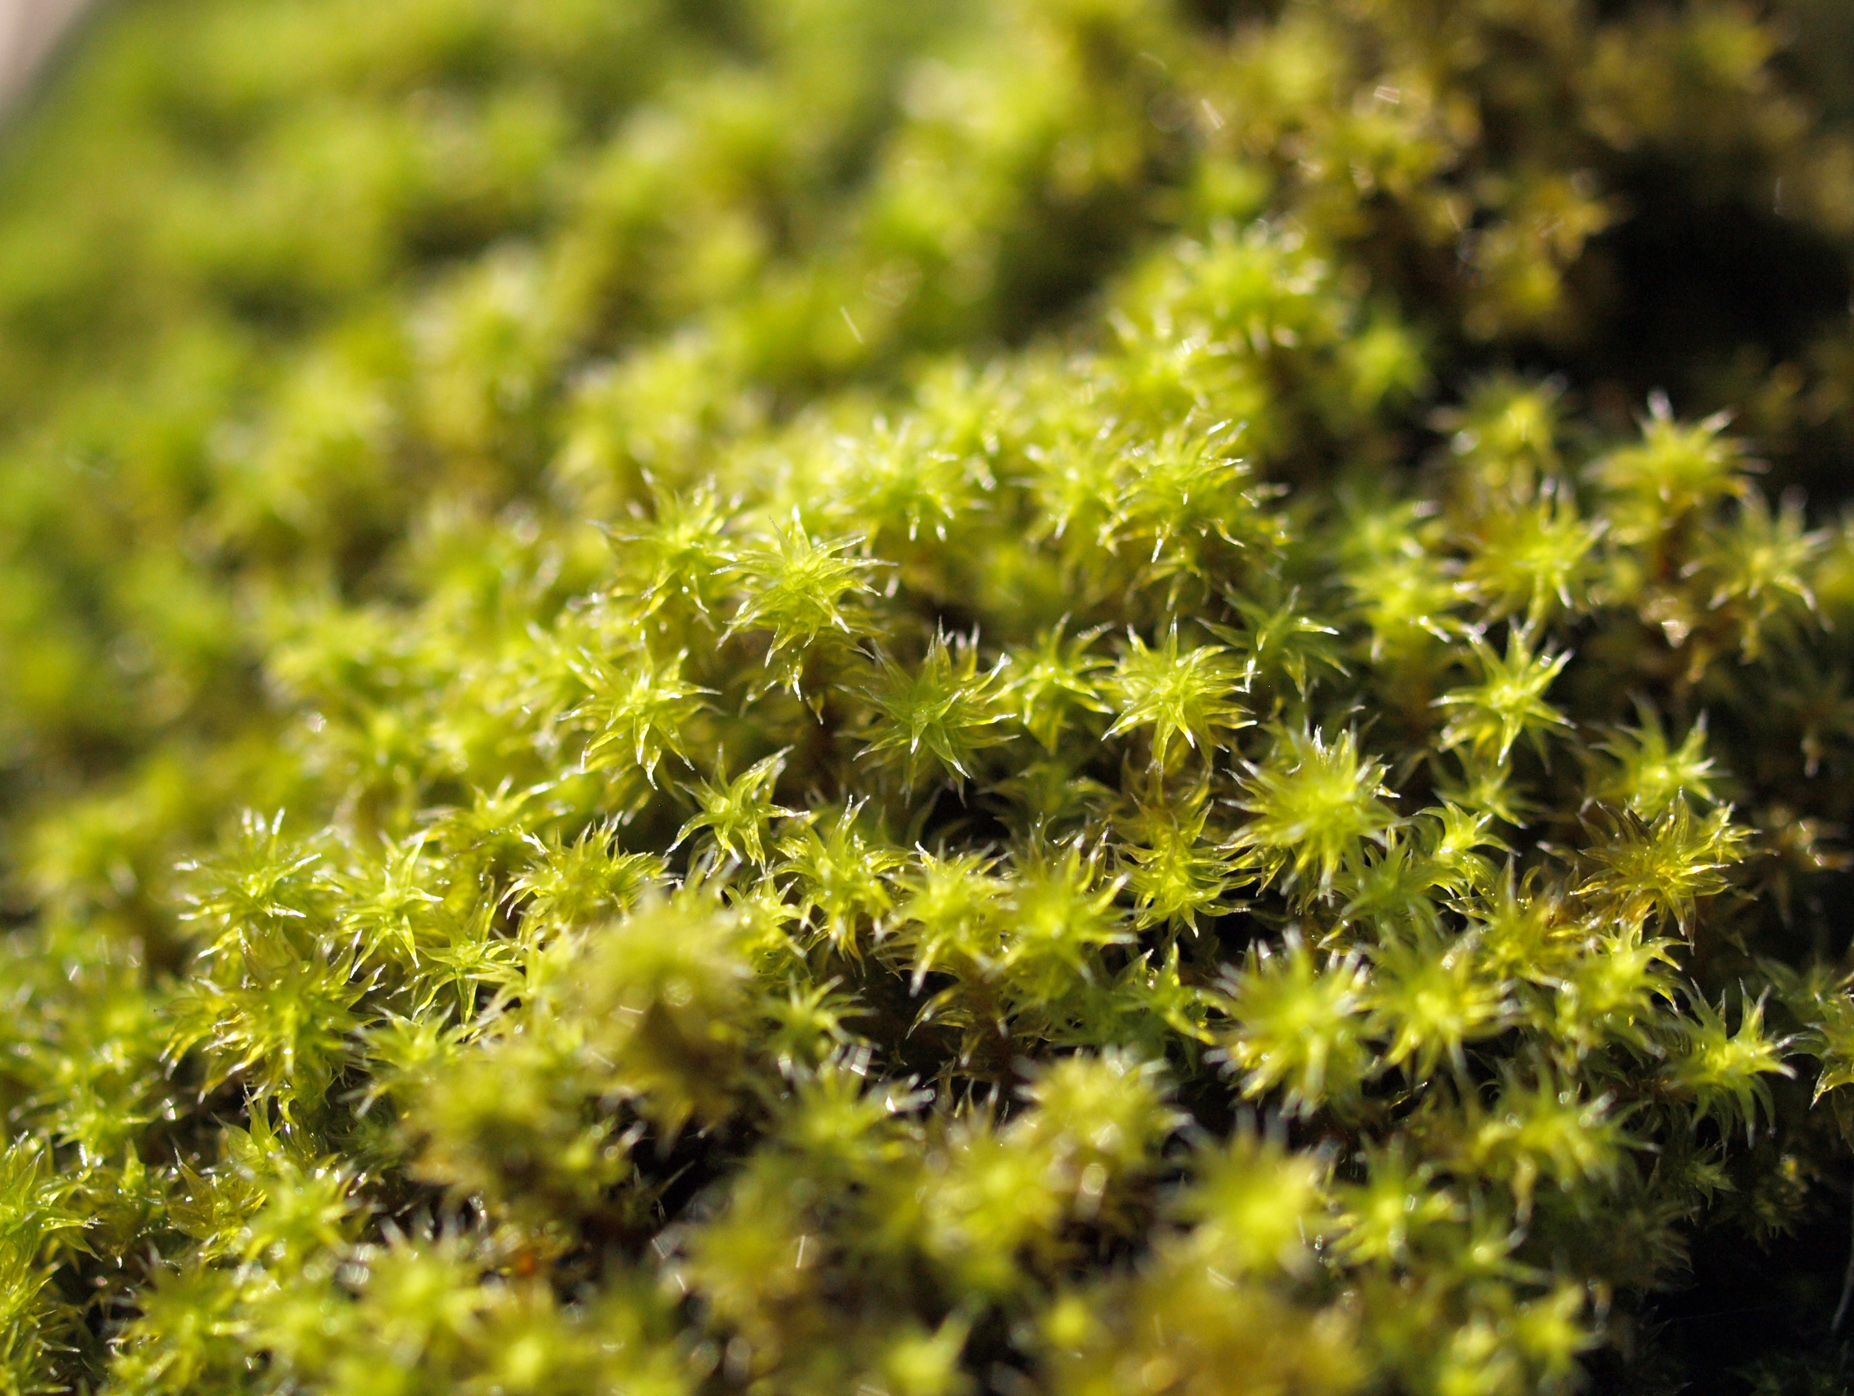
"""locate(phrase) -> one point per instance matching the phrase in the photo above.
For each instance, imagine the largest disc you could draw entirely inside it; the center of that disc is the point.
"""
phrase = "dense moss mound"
(817, 696)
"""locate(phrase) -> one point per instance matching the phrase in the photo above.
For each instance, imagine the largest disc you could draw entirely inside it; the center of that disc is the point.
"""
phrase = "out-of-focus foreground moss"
(1066, 696)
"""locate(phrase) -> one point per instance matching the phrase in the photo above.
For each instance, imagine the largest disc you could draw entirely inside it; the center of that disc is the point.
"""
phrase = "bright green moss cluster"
(812, 696)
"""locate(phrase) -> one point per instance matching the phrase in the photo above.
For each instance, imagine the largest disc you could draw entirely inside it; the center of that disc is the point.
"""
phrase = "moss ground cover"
(1067, 696)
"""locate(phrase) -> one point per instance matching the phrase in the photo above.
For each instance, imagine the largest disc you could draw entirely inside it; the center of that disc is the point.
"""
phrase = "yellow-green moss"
(818, 696)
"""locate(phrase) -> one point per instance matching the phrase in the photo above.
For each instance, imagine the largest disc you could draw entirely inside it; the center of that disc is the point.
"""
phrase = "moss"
(804, 695)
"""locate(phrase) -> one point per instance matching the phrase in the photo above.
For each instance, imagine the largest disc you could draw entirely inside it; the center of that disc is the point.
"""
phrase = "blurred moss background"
(279, 278)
